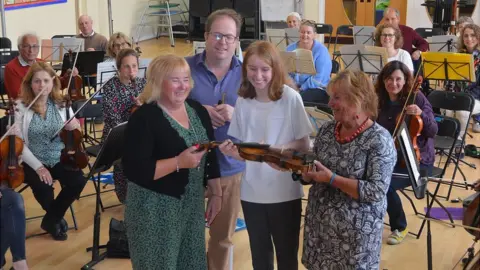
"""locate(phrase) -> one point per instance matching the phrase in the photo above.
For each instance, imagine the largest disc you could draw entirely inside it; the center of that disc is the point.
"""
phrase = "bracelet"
(176, 161)
(332, 178)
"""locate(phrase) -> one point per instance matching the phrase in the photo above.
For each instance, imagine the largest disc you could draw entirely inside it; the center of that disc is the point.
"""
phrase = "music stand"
(299, 61)
(447, 43)
(292, 35)
(277, 37)
(110, 154)
(368, 59)
(363, 35)
(448, 66)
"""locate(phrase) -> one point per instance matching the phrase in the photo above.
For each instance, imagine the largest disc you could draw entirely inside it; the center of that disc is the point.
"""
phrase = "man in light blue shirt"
(217, 75)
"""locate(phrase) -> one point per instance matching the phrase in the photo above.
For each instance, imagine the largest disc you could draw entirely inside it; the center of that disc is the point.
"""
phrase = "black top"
(150, 137)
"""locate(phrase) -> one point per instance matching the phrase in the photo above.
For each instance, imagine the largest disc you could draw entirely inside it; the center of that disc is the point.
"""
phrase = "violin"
(471, 214)
(75, 84)
(294, 161)
(414, 122)
(11, 171)
(73, 155)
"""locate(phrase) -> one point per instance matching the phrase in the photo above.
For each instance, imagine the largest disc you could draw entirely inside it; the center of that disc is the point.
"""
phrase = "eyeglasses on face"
(28, 47)
(219, 36)
(119, 45)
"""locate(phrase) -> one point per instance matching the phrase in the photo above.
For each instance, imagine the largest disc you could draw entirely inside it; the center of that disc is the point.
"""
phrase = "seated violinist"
(119, 97)
(393, 85)
(17, 68)
(41, 156)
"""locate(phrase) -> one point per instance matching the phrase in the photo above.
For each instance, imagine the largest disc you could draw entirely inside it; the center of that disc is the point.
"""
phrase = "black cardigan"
(150, 137)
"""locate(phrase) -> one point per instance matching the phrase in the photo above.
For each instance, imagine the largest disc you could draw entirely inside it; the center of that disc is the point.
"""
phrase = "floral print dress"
(118, 100)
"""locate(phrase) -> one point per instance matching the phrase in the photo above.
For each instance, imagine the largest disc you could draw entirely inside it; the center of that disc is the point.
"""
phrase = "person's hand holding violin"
(319, 173)
(229, 149)
(14, 131)
(413, 110)
(73, 124)
(217, 118)
(190, 158)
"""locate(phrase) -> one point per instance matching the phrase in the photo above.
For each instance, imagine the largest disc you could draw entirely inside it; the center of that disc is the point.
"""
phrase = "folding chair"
(5, 44)
(429, 32)
(325, 29)
(448, 130)
(453, 101)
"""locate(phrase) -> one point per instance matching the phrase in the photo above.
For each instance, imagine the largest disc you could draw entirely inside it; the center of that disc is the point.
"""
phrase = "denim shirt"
(209, 91)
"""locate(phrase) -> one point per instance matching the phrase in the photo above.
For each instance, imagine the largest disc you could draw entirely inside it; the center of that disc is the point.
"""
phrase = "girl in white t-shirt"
(390, 37)
(269, 111)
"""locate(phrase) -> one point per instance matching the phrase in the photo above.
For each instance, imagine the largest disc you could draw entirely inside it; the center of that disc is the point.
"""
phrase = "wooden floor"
(449, 244)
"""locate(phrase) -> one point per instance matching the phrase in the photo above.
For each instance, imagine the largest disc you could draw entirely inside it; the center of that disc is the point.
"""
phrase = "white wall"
(417, 15)
(45, 21)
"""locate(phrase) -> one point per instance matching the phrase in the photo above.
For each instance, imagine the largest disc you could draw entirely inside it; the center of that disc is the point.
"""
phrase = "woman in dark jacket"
(393, 84)
(165, 212)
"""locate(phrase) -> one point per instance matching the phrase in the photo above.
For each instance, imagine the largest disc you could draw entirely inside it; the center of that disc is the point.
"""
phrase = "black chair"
(453, 101)
(7, 56)
(344, 30)
(5, 44)
(89, 112)
(110, 154)
(325, 29)
(429, 32)
(448, 130)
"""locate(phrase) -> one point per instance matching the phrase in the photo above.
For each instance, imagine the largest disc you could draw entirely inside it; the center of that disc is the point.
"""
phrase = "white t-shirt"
(275, 123)
(404, 57)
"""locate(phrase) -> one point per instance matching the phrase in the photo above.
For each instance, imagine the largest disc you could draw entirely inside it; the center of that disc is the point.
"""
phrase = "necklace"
(353, 136)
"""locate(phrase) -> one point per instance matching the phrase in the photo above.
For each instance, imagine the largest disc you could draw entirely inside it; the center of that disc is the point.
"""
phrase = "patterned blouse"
(342, 232)
(41, 131)
(118, 100)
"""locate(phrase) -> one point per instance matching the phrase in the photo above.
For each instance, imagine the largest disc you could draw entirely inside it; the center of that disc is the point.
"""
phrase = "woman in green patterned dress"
(165, 211)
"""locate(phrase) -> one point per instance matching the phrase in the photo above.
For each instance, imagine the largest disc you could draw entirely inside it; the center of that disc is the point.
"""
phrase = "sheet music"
(410, 155)
(373, 58)
(106, 70)
(299, 61)
(277, 38)
(198, 47)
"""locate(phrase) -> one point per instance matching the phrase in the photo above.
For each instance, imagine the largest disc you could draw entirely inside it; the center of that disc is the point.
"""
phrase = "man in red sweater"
(412, 41)
(16, 69)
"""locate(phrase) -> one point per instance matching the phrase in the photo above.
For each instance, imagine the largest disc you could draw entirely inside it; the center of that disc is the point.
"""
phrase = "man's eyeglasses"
(388, 35)
(228, 38)
(32, 47)
(118, 46)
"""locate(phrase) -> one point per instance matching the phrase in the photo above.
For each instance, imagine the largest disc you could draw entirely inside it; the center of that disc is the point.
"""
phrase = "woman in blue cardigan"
(321, 58)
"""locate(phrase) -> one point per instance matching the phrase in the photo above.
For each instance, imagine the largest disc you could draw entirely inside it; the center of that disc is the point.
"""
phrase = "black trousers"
(279, 222)
(72, 183)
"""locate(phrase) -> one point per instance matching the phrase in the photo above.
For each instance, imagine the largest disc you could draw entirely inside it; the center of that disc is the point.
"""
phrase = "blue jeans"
(12, 225)
(398, 221)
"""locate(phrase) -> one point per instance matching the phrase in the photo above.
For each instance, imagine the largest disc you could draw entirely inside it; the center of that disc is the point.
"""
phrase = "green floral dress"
(179, 225)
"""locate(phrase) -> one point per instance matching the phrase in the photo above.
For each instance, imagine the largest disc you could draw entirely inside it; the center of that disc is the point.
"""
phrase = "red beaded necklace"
(354, 135)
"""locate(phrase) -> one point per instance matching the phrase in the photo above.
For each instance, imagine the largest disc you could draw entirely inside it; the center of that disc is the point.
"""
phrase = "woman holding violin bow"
(396, 92)
(43, 149)
(120, 97)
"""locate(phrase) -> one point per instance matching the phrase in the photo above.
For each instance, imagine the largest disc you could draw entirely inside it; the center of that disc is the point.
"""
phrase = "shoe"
(476, 127)
(397, 237)
(54, 229)
(63, 225)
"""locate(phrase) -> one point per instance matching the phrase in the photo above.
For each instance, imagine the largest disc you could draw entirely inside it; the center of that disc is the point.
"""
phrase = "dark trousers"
(12, 225)
(398, 221)
(315, 95)
(279, 222)
(72, 183)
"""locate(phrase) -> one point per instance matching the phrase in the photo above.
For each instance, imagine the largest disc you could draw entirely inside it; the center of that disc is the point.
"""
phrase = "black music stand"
(86, 63)
(364, 35)
(368, 59)
(109, 155)
(443, 43)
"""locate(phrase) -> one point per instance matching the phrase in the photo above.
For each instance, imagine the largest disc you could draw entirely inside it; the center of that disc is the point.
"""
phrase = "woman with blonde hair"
(41, 155)
(347, 200)
(167, 172)
(117, 42)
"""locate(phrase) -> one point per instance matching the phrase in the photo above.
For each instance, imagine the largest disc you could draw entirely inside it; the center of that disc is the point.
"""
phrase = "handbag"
(117, 246)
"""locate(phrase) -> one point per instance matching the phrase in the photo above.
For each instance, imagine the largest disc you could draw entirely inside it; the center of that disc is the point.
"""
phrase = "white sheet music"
(410, 155)
(106, 70)
(68, 44)
(440, 43)
(277, 38)
(363, 35)
(373, 58)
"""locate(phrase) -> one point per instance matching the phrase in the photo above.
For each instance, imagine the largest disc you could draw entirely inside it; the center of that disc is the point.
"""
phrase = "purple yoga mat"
(439, 213)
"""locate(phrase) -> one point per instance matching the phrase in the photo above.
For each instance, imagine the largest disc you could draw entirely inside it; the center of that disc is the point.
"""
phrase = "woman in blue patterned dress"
(119, 97)
(347, 200)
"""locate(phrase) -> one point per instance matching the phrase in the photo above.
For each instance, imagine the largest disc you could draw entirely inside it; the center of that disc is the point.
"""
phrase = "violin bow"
(413, 90)
(71, 73)
(28, 108)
